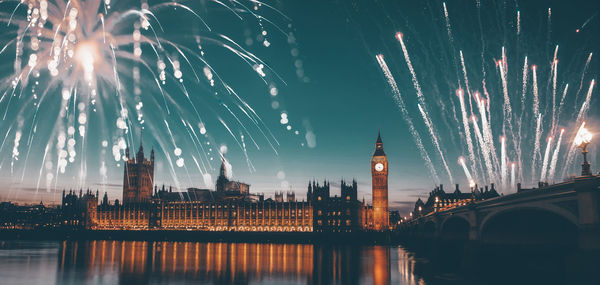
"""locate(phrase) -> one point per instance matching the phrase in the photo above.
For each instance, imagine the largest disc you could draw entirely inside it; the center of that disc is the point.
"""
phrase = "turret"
(140, 154)
(379, 146)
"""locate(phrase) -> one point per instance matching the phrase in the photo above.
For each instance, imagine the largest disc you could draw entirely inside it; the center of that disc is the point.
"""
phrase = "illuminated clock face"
(379, 166)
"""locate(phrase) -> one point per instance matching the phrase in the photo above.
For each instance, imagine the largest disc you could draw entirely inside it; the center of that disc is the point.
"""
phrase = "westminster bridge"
(565, 215)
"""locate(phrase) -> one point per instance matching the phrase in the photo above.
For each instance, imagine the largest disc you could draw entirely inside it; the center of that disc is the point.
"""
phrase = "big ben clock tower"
(379, 173)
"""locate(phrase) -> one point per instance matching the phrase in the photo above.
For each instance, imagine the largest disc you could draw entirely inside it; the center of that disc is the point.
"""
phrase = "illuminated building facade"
(230, 208)
(335, 214)
(237, 216)
(439, 200)
(138, 178)
(79, 211)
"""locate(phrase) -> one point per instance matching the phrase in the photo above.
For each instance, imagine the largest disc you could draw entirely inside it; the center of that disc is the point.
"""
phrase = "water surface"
(139, 262)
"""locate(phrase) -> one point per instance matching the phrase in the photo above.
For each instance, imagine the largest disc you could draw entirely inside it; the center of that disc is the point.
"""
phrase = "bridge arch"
(428, 228)
(455, 228)
(529, 226)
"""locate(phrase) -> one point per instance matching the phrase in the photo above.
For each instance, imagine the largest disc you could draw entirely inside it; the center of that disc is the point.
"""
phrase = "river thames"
(142, 262)
(138, 262)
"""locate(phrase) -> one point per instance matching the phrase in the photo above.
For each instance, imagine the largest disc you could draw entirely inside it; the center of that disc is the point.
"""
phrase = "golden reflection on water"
(227, 263)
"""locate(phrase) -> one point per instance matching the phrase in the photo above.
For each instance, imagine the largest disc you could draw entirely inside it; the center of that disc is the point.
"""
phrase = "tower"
(379, 174)
(222, 179)
(138, 178)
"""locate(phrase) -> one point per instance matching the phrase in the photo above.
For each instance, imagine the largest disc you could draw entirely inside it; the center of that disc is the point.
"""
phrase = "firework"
(400, 102)
(80, 65)
(528, 112)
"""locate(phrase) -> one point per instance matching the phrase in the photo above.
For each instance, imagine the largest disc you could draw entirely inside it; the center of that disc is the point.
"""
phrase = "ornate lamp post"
(582, 139)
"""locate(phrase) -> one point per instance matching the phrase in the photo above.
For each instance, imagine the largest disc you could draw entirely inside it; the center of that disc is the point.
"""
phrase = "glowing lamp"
(582, 139)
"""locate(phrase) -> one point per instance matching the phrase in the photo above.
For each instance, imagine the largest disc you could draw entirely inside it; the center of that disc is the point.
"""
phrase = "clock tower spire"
(379, 174)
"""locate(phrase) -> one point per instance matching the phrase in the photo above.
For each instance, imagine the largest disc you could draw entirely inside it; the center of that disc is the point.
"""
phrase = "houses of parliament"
(231, 206)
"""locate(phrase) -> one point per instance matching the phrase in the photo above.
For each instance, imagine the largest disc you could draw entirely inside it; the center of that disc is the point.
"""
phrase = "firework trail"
(400, 102)
(554, 72)
(422, 106)
(250, 165)
(549, 33)
(536, 113)
(518, 23)
(512, 176)
(488, 138)
(562, 102)
(586, 104)
(524, 89)
(503, 171)
(465, 120)
(536, 103)
(543, 175)
(585, 23)
(554, 160)
(536, 148)
(580, 116)
(451, 40)
(448, 27)
(585, 67)
(461, 161)
(508, 113)
(464, 70)
(520, 129)
(486, 153)
(430, 127)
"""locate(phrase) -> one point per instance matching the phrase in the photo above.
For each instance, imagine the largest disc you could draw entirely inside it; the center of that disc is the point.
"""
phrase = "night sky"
(334, 95)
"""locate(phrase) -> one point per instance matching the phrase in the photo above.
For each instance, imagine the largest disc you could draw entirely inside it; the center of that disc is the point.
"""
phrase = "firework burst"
(518, 108)
(117, 67)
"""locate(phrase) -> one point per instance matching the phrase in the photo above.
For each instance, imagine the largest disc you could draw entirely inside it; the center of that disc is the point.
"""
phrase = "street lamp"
(582, 139)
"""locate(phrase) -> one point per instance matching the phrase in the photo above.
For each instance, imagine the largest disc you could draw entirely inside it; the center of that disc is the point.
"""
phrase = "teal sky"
(341, 98)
